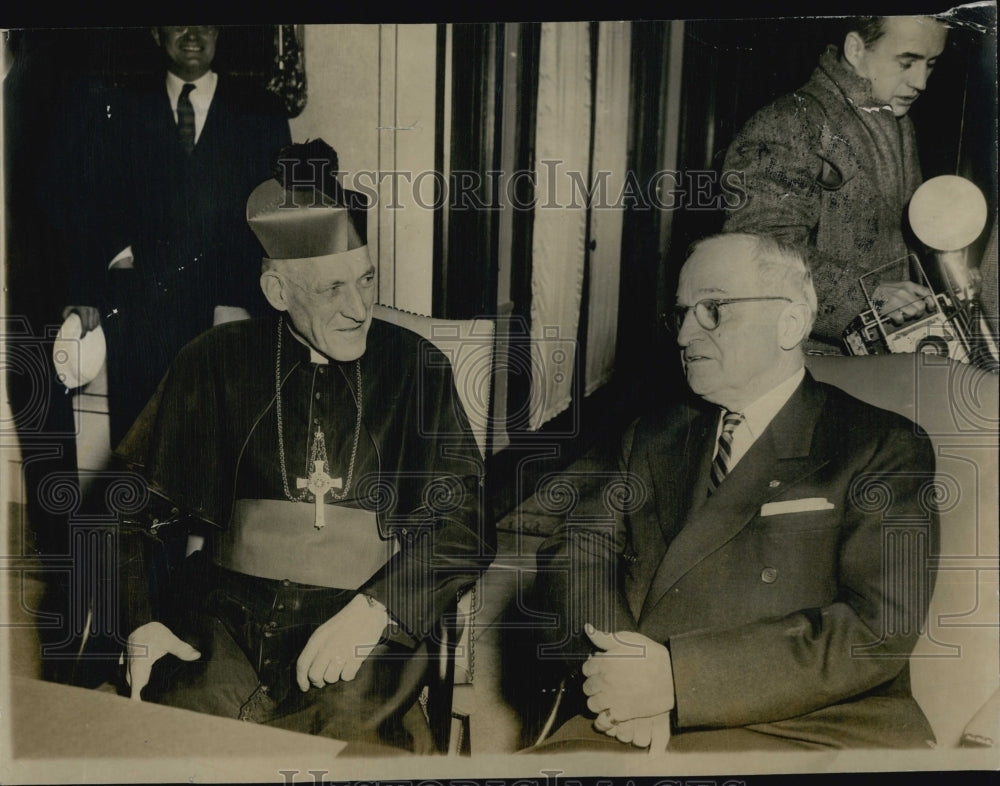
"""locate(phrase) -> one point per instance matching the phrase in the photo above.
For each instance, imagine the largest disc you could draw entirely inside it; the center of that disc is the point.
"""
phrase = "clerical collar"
(314, 357)
(761, 412)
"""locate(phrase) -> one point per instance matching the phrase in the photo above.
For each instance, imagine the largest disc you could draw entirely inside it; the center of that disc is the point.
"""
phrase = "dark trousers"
(250, 632)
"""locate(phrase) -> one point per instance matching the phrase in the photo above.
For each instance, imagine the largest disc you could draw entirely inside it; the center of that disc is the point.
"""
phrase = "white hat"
(77, 360)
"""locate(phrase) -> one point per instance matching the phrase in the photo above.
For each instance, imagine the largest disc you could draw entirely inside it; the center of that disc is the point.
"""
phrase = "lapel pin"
(774, 484)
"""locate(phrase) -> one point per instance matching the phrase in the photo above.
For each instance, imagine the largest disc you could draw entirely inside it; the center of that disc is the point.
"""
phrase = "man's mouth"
(694, 357)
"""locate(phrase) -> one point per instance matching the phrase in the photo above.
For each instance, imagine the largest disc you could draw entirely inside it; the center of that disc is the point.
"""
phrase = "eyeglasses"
(707, 311)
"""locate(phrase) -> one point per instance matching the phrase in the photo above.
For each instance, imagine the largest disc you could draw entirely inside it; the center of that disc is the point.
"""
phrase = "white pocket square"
(795, 506)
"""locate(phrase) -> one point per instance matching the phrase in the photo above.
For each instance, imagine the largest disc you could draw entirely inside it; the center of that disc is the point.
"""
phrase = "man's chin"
(346, 351)
(901, 108)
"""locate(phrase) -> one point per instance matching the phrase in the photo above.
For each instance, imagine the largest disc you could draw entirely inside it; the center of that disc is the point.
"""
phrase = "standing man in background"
(831, 167)
(182, 155)
(157, 239)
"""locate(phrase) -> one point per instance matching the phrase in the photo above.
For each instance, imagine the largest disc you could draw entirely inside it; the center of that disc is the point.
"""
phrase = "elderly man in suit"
(763, 582)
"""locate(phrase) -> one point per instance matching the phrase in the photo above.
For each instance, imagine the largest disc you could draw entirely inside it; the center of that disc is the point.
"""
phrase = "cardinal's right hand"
(146, 645)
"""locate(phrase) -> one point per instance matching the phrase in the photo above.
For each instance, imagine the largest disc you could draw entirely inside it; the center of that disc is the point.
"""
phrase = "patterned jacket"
(830, 171)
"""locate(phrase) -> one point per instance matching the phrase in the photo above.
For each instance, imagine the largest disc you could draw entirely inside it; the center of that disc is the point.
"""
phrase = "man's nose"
(354, 305)
(688, 328)
(194, 31)
(917, 77)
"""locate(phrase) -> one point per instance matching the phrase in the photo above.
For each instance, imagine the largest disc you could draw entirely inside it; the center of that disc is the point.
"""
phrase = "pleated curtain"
(562, 142)
(607, 213)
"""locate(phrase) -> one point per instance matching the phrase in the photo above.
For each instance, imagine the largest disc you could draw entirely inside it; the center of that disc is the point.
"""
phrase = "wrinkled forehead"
(719, 267)
(342, 268)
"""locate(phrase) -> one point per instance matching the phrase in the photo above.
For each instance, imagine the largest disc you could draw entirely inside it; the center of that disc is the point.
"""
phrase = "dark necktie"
(185, 118)
(725, 450)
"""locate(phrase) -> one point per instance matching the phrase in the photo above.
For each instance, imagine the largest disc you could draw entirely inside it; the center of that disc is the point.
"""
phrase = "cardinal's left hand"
(339, 646)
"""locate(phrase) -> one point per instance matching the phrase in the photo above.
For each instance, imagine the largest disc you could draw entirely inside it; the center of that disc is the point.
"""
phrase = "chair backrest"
(954, 666)
(468, 345)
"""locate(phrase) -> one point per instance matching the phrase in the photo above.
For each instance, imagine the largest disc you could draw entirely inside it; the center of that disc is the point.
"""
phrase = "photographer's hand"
(902, 300)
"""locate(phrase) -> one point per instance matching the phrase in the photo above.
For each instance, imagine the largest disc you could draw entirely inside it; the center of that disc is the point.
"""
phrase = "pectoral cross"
(319, 482)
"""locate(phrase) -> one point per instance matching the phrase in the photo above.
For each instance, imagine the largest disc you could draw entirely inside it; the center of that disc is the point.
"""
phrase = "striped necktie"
(185, 117)
(720, 466)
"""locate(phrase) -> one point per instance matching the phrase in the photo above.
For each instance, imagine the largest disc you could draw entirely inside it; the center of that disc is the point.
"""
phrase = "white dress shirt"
(201, 97)
(757, 416)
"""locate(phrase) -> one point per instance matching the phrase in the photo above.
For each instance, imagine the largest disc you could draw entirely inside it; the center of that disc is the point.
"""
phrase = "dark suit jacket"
(185, 218)
(794, 624)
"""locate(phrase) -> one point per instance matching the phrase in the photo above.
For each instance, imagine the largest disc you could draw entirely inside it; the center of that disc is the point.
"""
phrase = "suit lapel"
(212, 118)
(687, 481)
(777, 460)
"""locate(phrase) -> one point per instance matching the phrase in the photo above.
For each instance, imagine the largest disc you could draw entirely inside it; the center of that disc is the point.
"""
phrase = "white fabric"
(201, 97)
(614, 60)
(562, 136)
(758, 416)
(77, 360)
(122, 260)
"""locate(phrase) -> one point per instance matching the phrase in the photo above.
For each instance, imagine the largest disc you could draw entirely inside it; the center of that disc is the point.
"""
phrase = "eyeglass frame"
(679, 313)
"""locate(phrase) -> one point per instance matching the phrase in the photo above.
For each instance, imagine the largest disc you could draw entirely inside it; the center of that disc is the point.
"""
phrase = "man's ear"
(854, 49)
(793, 325)
(273, 287)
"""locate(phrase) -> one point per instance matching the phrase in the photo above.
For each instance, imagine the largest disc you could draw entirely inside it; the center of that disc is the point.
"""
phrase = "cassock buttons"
(318, 395)
(774, 484)
(769, 575)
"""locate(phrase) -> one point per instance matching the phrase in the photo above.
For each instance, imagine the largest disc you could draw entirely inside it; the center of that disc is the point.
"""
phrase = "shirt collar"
(202, 95)
(856, 89)
(759, 414)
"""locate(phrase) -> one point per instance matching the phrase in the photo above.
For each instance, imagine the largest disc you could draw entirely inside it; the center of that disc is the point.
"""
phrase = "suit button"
(769, 575)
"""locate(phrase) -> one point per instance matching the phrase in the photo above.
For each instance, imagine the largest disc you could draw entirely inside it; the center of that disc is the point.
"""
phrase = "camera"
(953, 327)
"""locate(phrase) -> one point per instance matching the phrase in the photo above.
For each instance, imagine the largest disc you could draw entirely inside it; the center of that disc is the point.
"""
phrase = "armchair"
(954, 667)
(468, 345)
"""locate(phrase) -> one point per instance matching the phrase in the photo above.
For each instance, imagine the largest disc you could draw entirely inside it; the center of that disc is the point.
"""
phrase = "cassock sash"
(276, 539)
